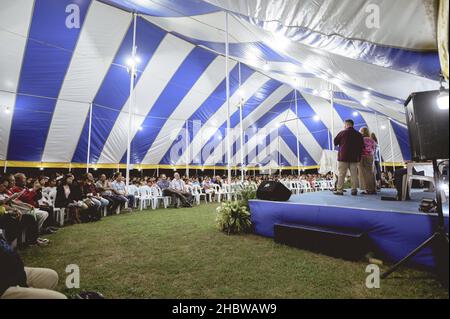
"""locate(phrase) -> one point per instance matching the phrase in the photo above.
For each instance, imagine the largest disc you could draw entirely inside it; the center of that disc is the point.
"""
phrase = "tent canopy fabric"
(65, 85)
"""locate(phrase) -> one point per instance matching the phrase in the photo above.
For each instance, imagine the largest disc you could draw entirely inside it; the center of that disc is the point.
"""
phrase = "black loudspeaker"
(427, 126)
(273, 191)
(336, 243)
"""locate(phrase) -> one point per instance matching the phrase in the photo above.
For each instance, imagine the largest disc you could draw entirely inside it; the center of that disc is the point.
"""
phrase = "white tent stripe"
(167, 59)
(99, 41)
(254, 116)
(252, 85)
(202, 89)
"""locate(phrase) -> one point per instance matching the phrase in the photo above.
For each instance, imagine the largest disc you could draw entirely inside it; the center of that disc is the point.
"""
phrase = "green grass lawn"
(180, 254)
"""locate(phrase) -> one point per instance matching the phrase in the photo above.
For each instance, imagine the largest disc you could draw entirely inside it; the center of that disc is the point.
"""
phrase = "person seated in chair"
(20, 282)
(170, 189)
(119, 188)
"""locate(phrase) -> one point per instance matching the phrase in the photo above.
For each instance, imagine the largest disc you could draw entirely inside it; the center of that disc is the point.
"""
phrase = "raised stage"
(394, 228)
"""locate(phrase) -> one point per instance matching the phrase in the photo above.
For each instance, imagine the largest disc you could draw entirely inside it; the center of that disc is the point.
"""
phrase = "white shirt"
(177, 184)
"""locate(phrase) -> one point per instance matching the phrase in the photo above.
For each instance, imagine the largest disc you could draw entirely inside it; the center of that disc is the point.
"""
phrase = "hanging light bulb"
(266, 66)
(316, 118)
(7, 110)
(355, 114)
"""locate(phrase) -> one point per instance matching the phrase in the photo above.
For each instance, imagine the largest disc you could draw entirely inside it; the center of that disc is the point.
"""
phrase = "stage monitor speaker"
(273, 191)
(427, 126)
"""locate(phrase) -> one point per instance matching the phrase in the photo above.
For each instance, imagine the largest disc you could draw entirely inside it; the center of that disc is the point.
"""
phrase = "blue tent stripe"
(165, 8)
(212, 105)
(49, 47)
(259, 97)
(315, 127)
(178, 87)
(347, 113)
(401, 133)
(114, 91)
(291, 140)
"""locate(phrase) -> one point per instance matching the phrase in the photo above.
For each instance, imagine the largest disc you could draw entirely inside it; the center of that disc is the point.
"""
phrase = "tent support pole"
(379, 144)
(88, 159)
(241, 128)
(332, 121)
(298, 131)
(278, 151)
(131, 102)
(187, 146)
(392, 145)
(227, 66)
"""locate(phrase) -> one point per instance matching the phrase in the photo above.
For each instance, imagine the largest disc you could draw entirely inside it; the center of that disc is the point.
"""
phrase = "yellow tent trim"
(44, 165)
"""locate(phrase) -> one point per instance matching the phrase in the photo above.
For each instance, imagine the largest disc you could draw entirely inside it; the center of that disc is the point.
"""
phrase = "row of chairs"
(302, 186)
(153, 196)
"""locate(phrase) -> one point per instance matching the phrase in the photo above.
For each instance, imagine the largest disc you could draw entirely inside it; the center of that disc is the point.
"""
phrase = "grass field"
(180, 254)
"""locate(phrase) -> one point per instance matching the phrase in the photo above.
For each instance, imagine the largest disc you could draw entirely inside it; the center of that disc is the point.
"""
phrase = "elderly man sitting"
(175, 189)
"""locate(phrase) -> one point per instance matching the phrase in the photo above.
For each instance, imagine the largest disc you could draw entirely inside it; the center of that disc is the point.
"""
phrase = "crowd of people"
(28, 210)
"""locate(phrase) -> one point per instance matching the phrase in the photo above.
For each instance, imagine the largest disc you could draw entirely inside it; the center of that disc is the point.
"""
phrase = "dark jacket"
(351, 144)
(62, 201)
(12, 270)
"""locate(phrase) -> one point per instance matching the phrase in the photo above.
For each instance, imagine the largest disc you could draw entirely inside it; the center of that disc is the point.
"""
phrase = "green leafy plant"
(246, 194)
(233, 218)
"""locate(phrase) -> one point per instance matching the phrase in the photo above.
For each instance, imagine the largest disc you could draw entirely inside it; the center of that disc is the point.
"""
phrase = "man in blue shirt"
(120, 189)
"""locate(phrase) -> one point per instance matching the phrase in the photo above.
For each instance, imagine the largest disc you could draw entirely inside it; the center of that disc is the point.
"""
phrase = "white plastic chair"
(157, 197)
(218, 192)
(59, 212)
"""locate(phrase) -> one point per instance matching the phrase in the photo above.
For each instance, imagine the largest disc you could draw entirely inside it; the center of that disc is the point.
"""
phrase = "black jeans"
(14, 228)
(185, 198)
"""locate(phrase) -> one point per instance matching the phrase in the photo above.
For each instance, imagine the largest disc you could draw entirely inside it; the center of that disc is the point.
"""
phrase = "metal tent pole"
(88, 157)
(332, 120)
(241, 127)
(187, 145)
(392, 145)
(131, 102)
(379, 144)
(227, 66)
(298, 132)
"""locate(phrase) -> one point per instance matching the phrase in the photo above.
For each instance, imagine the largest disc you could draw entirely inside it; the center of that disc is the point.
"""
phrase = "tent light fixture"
(266, 66)
(7, 110)
(383, 127)
(316, 118)
(355, 114)
(133, 62)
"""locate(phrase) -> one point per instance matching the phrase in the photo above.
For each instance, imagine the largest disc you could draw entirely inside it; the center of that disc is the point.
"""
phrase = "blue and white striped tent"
(65, 85)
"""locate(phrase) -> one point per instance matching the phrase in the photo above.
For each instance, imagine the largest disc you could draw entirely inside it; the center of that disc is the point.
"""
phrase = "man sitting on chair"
(175, 189)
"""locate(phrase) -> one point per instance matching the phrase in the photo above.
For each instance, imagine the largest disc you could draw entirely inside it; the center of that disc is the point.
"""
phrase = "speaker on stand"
(429, 139)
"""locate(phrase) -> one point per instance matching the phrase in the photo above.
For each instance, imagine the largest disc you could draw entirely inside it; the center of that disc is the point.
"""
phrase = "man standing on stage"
(350, 144)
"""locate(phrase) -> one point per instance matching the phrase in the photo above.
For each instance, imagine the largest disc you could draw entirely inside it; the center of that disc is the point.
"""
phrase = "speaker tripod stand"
(440, 237)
